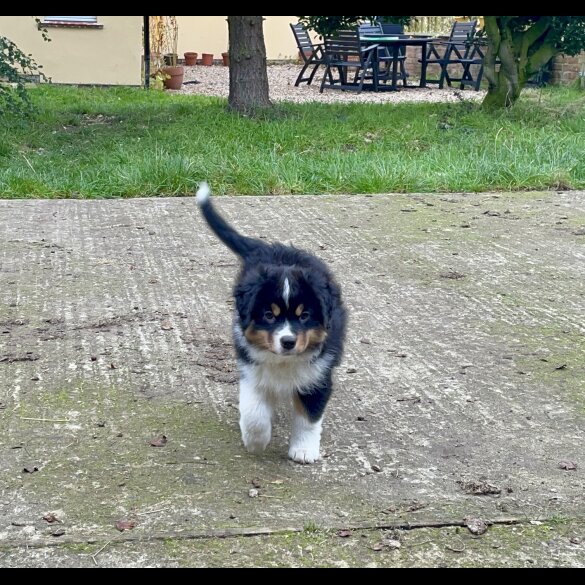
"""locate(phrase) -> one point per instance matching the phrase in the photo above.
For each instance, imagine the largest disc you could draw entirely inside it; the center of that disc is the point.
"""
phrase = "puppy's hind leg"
(255, 417)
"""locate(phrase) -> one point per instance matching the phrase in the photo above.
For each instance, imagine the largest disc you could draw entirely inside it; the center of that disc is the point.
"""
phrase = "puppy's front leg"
(255, 417)
(305, 440)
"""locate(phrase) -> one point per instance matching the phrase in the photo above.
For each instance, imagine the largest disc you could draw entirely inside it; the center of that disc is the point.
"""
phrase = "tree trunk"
(248, 75)
(505, 85)
(521, 56)
(504, 93)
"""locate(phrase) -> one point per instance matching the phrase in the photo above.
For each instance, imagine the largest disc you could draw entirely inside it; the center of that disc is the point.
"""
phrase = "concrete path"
(461, 397)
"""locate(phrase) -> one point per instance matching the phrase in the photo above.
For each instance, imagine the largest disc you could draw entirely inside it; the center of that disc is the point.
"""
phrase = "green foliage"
(325, 25)
(16, 69)
(568, 33)
(565, 33)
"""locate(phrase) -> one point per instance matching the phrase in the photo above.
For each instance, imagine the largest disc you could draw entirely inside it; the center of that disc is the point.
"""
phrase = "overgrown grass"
(126, 143)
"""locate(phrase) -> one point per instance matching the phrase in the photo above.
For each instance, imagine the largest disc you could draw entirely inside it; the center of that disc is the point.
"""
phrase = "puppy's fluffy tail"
(237, 243)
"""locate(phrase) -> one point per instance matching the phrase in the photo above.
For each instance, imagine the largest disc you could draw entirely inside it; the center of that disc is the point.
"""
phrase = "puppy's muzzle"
(288, 342)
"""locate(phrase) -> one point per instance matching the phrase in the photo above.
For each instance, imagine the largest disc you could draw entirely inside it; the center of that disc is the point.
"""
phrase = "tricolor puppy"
(288, 331)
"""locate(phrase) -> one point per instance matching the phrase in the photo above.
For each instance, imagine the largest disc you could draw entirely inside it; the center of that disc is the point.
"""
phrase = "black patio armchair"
(311, 54)
(460, 49)
(385, 56)
(345, 51)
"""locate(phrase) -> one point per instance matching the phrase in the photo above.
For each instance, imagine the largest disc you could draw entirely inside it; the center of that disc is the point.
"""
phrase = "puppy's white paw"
(304, 455)
(257, 441)
(305, 441)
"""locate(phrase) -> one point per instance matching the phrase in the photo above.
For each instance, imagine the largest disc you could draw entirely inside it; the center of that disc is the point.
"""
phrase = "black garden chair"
(474, 58)
(385, 56)
(311, 54)
(459, 49)
(345, 51)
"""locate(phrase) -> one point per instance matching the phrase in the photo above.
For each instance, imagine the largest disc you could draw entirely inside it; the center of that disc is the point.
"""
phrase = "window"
(90, 21)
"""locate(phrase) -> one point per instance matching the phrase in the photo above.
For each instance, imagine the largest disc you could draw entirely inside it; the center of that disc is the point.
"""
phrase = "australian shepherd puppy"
(289, 328)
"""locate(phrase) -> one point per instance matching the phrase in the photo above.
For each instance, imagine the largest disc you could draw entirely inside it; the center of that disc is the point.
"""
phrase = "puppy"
(289, 329)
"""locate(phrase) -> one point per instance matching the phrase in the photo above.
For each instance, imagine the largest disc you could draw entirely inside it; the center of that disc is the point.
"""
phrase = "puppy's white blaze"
(305, 440)
(203, 193)
(286, 292)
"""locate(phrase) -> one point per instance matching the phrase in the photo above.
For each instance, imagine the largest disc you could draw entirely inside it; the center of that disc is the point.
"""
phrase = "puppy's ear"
(245, 294)
(325, 296)
(324, 293)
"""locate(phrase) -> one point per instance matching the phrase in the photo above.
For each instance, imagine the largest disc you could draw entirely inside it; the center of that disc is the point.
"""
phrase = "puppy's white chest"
(284, 376)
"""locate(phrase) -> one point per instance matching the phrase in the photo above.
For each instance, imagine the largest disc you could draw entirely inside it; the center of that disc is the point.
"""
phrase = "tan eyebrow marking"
(300, 310)
(275, 309)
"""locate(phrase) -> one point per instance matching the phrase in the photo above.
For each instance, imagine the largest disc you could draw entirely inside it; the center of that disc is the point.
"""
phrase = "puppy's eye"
(269, 317)
(305, 316)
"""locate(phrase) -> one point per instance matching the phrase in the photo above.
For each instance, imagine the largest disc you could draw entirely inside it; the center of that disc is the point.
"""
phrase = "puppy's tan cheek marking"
(299, 310)
(315, 337)
(262, 339)
(310, 339)
(275, 310)
(302, 341)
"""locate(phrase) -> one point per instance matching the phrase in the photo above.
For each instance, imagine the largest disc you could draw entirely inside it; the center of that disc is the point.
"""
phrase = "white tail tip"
(203, 193)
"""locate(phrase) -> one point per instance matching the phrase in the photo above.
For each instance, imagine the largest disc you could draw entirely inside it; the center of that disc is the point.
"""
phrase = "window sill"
(63, 24)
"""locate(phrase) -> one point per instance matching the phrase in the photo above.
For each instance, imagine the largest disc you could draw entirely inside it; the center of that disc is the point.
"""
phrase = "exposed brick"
(569, 60)
(569, 76)
(566, 69)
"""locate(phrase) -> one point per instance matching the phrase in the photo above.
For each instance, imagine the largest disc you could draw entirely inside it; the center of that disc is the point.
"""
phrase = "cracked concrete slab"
(462, 392)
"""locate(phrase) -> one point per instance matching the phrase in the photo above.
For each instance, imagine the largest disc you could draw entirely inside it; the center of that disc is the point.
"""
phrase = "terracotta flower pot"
(190, 59)
(226, 59)
(207, 59)
(173, 77)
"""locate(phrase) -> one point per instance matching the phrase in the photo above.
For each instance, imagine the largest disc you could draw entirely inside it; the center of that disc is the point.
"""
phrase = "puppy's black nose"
(288, 342)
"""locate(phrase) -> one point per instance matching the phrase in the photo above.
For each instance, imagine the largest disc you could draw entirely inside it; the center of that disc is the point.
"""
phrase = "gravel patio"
(214, 81)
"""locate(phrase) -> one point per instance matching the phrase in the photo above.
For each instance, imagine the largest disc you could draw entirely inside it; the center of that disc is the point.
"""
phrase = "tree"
(523, 45)
(248, 75)
(16, 69)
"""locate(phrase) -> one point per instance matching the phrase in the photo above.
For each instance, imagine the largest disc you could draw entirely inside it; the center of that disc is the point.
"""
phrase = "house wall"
(108, 55)
(209, 34)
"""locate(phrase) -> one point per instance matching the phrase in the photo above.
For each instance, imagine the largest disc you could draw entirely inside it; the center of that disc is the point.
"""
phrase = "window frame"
(64, 22)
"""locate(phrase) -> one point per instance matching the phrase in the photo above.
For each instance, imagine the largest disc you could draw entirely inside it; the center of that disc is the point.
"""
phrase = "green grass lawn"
(127, 143)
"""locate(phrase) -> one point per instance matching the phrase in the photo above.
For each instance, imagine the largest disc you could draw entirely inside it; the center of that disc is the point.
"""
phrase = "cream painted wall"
(111, 55)
(209, 34)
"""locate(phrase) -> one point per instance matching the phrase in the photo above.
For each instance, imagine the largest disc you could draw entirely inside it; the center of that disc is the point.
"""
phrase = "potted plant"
(164, 41)
(226, 59)
(190, 59)
(174, 76)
